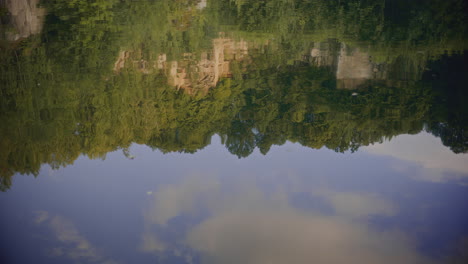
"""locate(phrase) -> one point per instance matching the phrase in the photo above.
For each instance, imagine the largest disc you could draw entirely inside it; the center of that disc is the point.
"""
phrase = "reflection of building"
(193, 73)
(25, 18)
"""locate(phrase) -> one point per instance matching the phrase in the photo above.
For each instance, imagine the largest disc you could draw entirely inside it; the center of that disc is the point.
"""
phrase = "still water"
(233, 131)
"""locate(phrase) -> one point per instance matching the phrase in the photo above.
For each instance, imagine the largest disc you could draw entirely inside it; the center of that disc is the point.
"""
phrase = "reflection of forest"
(90, 85)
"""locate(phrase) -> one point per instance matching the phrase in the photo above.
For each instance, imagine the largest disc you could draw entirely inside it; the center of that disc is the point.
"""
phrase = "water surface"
(233, 131)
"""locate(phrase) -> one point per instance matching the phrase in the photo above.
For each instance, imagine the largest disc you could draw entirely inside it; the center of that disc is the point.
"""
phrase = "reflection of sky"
(427, 151)
(293, 205)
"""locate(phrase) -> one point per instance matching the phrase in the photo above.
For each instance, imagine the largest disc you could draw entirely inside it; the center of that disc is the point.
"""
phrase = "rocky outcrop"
(193, 73)
(202, 4)
(120, 63)
(352, 66)
(324, 54)
(25, 18)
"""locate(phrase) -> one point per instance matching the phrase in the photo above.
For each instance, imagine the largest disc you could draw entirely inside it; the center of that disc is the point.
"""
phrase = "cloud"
(357, 204)
(172, 200)
(426, 151)
(150, 243)
(40, 217)
(261, 233)
(249, 225)
(72, 244)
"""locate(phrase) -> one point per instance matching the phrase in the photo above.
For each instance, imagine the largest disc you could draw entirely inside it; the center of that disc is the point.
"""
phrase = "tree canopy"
(99, 77)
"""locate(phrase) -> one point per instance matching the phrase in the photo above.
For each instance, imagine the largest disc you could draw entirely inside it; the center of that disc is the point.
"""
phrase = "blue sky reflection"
(292, 206)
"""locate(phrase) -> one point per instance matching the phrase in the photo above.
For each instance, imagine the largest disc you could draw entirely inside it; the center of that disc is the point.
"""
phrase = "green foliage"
(60, 96)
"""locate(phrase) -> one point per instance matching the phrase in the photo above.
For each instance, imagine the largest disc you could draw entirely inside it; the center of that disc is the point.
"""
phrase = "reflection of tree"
(240, 141)
(449, 113)
(454, 137)
(63, 99)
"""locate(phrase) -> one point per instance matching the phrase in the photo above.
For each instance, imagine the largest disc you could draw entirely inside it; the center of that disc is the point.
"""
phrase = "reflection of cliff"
(200, 75)
(193, 74)
(26, 18)
(202, 4)
(354, 67)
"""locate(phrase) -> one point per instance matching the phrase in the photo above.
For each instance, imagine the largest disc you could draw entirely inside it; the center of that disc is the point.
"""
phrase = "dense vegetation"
(60, 98)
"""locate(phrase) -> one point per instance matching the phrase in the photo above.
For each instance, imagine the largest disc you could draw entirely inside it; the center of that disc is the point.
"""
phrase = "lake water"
(232, 131)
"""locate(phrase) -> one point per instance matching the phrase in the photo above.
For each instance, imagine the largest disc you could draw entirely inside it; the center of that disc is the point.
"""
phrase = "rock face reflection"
(26, 18)
(205, 73)
(193, 73)
(354, 67)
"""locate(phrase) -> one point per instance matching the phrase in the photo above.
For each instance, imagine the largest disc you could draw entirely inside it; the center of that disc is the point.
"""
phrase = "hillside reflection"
(100, 78)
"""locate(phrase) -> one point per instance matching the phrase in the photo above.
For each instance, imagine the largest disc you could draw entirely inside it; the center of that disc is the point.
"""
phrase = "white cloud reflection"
(250, 226)
(72, 244)
(427, 151)
(291, 236)
(150, 243)
(174, 200)
(357, 204)
(171, 200)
